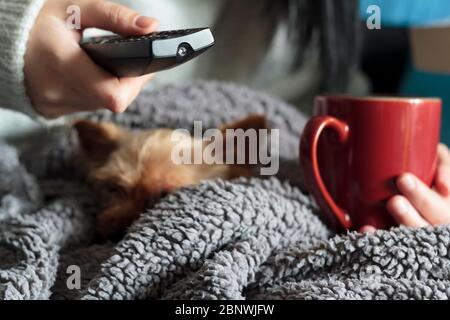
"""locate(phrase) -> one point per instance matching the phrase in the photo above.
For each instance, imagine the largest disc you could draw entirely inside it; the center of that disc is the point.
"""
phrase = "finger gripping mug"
(354, 148)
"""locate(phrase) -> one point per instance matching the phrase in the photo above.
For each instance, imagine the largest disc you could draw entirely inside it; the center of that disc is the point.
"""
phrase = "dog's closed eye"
(113, 190)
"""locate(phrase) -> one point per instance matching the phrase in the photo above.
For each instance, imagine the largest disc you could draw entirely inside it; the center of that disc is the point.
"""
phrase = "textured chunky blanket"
(243, 239)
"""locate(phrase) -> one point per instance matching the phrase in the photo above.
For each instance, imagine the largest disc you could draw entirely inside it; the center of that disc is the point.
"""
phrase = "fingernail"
(401, 206)
(408, 183)
(143, 22)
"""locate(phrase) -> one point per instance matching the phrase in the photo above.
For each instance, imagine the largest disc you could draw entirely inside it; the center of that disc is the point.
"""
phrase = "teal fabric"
(416, 13)
(425, 84)
(406, 13)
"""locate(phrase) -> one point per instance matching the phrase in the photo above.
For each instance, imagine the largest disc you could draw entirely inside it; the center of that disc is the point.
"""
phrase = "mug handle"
(310, 164)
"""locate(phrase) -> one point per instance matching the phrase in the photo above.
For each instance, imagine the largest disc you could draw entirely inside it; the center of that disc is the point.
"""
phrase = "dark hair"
(330, 25)
(336, 24)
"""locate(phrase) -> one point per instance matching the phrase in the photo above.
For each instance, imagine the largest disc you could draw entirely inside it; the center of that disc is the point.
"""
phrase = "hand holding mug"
(419, 205)
(354, 151)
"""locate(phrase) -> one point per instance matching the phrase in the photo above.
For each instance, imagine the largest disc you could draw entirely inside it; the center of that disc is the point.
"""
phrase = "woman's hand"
(60, 76)
(418, 205)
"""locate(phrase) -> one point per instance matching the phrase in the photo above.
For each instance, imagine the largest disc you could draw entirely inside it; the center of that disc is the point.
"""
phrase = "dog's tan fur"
(132, 170)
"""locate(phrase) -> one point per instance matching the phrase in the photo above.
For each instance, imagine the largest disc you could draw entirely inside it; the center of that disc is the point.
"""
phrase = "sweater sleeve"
(16, 20)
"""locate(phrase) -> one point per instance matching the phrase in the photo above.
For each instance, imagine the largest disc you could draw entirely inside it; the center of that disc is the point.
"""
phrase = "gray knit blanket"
(261, 238)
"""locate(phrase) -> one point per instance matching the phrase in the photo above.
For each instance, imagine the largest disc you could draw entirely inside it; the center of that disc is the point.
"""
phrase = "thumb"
(116, 18)
(367, 229)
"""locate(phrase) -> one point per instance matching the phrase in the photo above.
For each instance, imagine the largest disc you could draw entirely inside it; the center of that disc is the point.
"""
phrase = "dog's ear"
(97, 140)
(252, 121)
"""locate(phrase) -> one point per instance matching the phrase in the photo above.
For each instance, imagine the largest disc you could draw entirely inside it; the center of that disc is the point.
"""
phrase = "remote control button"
(182, 51)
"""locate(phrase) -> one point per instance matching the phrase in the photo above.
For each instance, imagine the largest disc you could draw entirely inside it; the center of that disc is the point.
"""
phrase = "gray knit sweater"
(16, 20)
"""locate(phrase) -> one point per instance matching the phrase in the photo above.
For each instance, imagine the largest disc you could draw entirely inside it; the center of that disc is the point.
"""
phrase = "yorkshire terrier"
(131, 170)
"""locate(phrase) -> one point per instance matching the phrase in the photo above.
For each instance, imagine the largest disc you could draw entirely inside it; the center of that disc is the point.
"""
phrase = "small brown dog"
(130, 171)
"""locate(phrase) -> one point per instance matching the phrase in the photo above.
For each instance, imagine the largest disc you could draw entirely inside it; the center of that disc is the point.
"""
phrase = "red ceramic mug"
(354, 148)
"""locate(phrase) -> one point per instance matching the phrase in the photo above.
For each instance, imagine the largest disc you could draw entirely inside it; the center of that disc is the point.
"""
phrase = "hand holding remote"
(60, 77)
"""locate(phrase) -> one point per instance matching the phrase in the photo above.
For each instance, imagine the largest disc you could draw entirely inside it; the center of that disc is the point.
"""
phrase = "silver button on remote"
(182, 51)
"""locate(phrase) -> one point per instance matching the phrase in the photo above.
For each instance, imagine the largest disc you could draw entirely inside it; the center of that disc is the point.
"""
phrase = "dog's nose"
(151, 202)
(154, 199)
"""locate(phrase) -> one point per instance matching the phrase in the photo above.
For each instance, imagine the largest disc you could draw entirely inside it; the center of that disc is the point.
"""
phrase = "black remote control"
(138, 55)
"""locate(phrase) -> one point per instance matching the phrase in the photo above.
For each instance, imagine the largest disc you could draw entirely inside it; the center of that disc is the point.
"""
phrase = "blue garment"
(416, 13)
(408, 13)
(424, 84)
